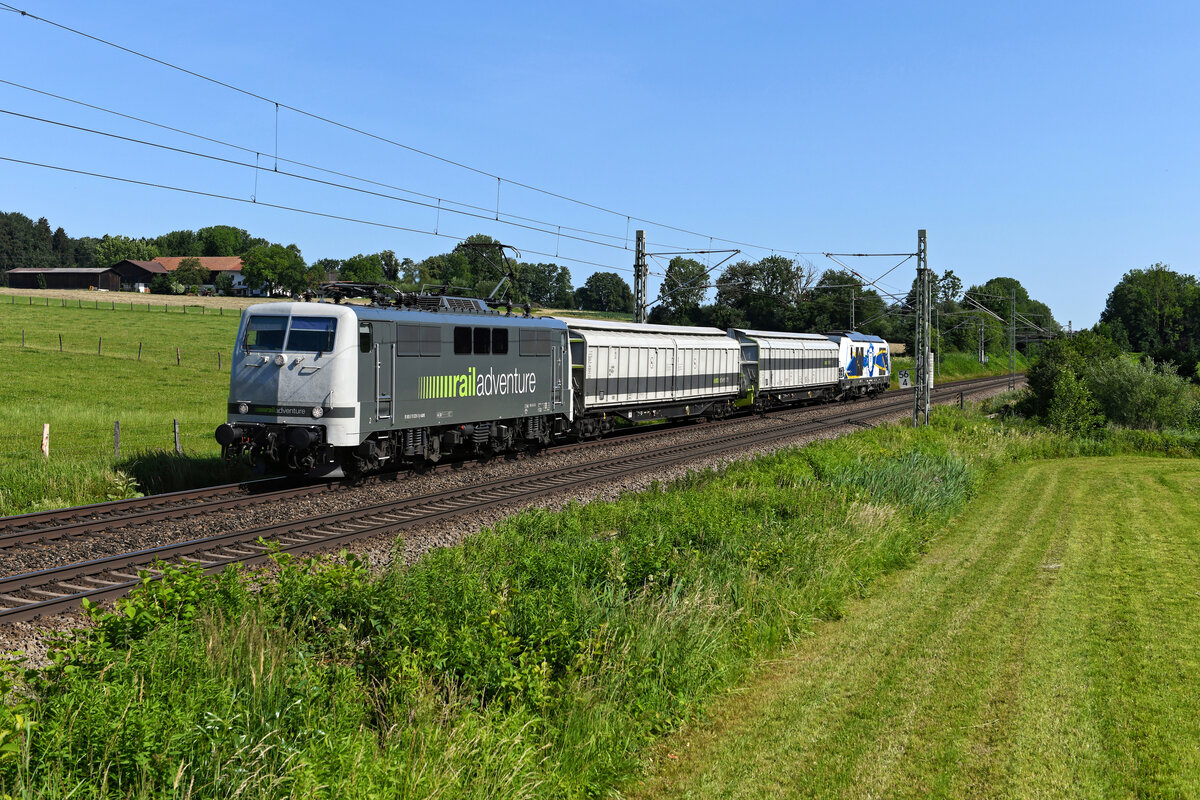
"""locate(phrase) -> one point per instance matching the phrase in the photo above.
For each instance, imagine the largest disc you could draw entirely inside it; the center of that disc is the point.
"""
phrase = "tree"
(180, 243)
(21, 245)
(768, 292)
(223, 283)
(362, 269)
(485, 257)
(949, 287)
(447, 269)
(315, 275)
(683, 289)
(548, 285)
(274, 267)
(226, 240)
(408, 272)
(114, 249)
(164, 283)
(61, 246)
(1149, 306)
(605, 291)
(329, 268)
(191, 272)
(390, 264)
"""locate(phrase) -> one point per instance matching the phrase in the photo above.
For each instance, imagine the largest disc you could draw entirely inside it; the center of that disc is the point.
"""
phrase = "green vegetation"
(538, 659)
(1079, 384)
(960, 366)
(82, 394)
(1156, 311)
(1046, 647)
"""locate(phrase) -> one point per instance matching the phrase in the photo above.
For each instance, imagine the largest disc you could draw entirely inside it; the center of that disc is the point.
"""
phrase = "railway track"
(57, 589)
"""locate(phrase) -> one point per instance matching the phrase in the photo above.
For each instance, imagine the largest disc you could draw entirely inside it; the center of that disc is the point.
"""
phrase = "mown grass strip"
(1045, 647)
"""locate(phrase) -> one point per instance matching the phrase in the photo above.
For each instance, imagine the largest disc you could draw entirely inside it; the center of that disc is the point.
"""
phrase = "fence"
(113, 305)
(97, 444)
(220, 358)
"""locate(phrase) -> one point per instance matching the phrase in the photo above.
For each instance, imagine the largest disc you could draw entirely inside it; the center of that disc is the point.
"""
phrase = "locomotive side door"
(385, 370)
(557, 354)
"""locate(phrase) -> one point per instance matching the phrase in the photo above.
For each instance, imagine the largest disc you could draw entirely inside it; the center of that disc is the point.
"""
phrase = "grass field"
(1047, 646)
(96, 380)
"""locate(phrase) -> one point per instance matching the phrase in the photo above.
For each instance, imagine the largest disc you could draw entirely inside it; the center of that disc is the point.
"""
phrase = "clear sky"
(1057, 143)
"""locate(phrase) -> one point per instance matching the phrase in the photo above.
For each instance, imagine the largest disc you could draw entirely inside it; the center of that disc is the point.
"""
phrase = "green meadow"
(98, 379)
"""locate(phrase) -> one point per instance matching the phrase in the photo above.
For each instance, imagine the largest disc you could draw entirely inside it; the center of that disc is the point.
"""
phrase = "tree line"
(772, 293)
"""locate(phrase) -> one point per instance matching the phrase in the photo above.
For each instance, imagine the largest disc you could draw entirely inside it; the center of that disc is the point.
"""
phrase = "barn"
(65, 278)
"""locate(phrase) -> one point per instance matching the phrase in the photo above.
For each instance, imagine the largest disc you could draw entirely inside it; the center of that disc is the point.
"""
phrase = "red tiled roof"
(213, 263)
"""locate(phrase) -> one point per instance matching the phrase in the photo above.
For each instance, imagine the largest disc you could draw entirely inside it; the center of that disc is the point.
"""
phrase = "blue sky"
(1055, 143)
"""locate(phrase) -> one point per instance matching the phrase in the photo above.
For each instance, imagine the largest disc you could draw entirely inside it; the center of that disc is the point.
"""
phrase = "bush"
(165, 284)
(1141, 394)
(1072, 408)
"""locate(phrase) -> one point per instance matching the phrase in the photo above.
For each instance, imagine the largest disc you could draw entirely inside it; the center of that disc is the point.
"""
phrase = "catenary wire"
(384, 139)
(278, 206)
(256, 153)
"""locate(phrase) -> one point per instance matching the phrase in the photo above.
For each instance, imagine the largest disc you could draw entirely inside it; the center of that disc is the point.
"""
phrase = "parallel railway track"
(58, 589)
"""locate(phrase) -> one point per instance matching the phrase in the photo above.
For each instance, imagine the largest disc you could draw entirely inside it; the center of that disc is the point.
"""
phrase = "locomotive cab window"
(364, 337)
(312, 334)
(500, 341)
(462, 341)
(265, 333)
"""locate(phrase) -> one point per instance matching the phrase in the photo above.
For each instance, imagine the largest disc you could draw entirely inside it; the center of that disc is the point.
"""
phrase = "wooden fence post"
(117, 439)
(100, 346)
(60, 343)
(22, 337)
(218, 361)
(139, 351)
(46, 440)
(177, 361)
(178, 446)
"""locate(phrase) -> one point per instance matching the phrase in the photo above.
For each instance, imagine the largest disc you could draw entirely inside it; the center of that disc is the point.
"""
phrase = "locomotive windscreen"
(312, 334)
(265, 333)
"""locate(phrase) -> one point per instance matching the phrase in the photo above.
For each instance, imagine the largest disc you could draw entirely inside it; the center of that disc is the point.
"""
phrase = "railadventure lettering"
(476, 384)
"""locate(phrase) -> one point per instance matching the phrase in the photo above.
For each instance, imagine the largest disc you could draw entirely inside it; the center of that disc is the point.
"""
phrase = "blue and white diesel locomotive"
(315, 386)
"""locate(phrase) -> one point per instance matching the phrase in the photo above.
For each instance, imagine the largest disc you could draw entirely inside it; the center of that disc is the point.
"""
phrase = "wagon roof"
(638, 327)
(779, 334)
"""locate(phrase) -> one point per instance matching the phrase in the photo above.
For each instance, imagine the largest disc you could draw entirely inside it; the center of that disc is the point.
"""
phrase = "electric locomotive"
(315, 385)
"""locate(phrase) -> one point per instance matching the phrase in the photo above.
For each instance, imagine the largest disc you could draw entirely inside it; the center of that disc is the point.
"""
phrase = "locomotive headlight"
(318, 412)
(243, 408)
(280, 360)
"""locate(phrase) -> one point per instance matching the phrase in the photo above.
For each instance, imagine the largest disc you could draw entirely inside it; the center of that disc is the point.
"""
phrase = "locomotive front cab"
(288, 365)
